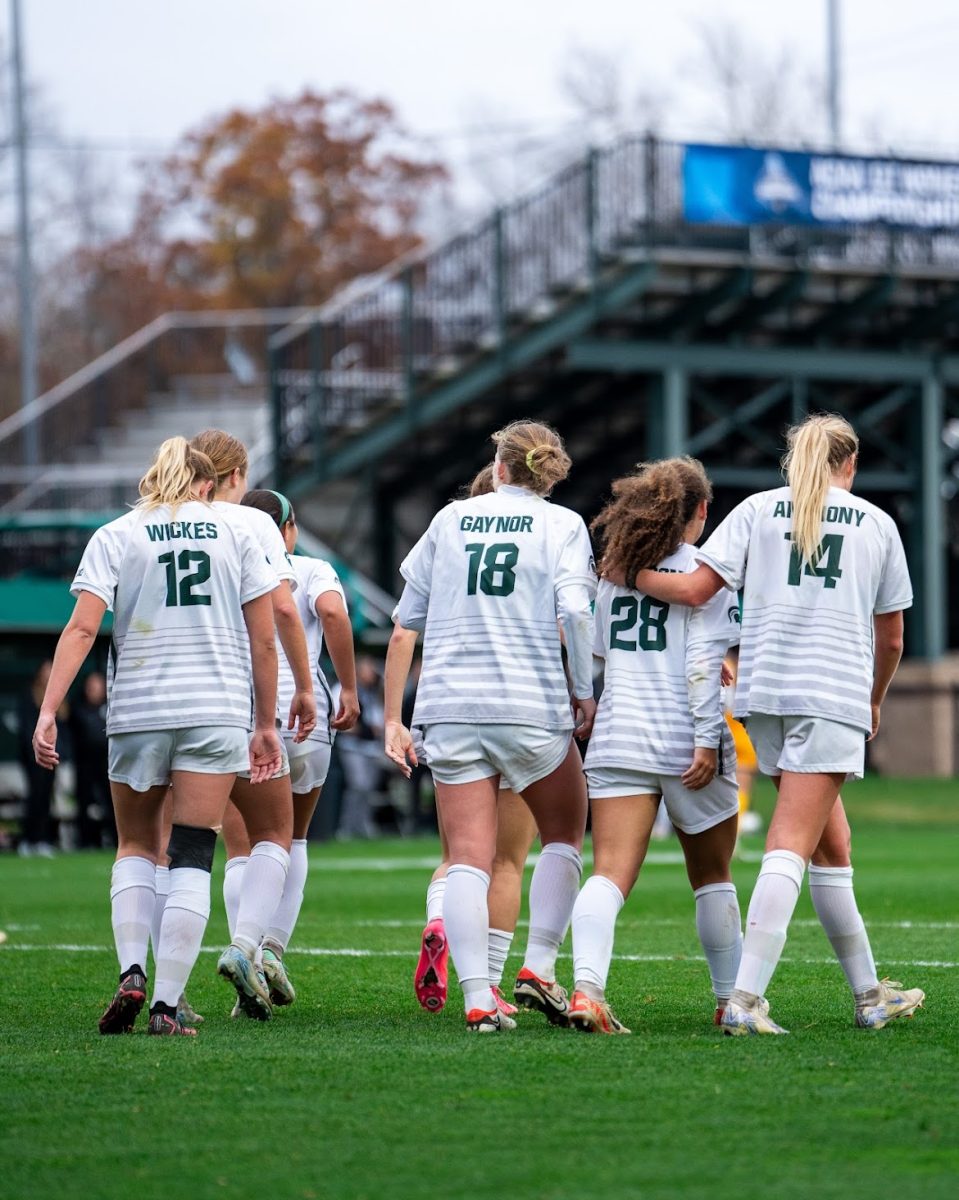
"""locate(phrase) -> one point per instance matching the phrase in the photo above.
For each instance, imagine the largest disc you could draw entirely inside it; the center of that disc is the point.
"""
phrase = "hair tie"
(285, 506)
(529, 461)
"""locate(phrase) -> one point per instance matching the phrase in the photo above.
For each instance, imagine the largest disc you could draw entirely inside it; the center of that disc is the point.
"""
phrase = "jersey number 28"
(627, 611)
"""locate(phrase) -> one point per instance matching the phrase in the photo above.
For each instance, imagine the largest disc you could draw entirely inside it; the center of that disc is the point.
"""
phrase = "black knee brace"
(191, 846)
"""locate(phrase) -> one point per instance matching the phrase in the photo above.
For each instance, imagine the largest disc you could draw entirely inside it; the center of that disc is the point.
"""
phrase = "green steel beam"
(741, 415)
(522, 351)
(641, 357)
(839, 315)
(757, 307)
(675, 422)
(929, 510)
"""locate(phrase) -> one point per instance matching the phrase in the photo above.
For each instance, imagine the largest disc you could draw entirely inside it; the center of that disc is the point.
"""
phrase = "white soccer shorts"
(520, 754)
(807, 745)
(144, 759)
(692, 812)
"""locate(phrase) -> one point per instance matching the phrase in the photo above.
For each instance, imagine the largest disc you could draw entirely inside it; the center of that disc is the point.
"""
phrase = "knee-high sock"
(163, 890)
(132, 899)
(720, 930)
(466, 919)
(500, 941)
(181, 932)
(232, 888)
(594, 925)
(264, 877)
(770, 910)
(552, 894)
(434, 900)
(280, 929)
(835, 903)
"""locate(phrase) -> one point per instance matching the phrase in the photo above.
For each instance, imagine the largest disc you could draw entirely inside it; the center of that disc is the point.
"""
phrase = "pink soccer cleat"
(504, 1006)
(429, 981)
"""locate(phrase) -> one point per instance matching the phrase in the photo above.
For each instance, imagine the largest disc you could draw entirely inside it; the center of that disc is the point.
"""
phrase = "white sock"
(434, 900)
(162, 891)
(835, 903)
(281, 927)
(552, 894)
(181, 932)
(770, 909)
(132, 899)
(466, 918)
(264, 877)
(500, 941)
(594, 924)
(720, 930)
(232, 889)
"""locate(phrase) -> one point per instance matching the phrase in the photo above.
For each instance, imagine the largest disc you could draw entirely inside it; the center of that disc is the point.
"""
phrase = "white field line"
(648, 922)
(355, 952)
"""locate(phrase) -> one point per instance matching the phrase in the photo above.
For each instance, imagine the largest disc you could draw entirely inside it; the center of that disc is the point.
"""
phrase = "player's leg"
(198, 802)
(185, 1011)
(236, 842)
(831, 888)
(430, 979)
(515, 834)
(133, 897)
(622, 826)
(718, 920)
(267, 812)
(557, 800)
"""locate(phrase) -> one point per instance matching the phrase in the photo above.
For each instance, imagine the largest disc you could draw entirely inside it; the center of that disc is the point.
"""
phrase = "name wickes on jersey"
(197, 530)
(496, 524)
(835, 514)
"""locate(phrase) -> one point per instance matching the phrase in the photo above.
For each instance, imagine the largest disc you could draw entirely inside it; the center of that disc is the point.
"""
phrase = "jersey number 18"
(498, 576)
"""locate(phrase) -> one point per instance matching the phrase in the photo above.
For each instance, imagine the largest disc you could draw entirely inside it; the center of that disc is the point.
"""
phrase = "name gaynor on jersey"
(661, 691)
(807, 627)
(493, 568)
(176, 584)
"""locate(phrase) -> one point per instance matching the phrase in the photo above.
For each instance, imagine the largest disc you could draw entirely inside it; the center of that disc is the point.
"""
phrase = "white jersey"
(661, 695)
(807, 630)
(497, 571)
(176, 584)
(314, 577)
(266, 531)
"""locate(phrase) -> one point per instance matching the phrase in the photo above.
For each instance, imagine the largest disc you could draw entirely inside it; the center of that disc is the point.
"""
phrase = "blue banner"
(736, 185)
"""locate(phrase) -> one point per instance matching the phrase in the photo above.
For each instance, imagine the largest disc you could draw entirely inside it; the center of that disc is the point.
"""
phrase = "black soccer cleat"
(164, 1022)
(127, 1001)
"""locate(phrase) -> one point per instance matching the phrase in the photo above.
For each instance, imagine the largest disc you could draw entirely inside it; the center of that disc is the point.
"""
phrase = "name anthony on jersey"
(198, 530)
(471, 524)
(835, 514)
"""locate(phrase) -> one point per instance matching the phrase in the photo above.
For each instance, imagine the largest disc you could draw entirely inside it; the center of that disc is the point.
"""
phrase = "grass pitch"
(356, 1092)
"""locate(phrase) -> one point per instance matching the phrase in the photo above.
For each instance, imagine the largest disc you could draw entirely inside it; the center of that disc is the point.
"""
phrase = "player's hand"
(266, 755)
(613, 571)
(398, 744)
(302, 715)
(726, 677)
(584, 714)
(348, 712)
(701, 771)
(45, 742)
(875, 723)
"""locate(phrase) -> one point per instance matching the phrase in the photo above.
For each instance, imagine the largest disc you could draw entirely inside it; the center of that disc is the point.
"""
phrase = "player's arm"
(707, 641)
(693, 589)
(293, 640)
(265, 752)
(72, 648)
(574, 610)
(338, 636)
(398, 741)
(888, 651)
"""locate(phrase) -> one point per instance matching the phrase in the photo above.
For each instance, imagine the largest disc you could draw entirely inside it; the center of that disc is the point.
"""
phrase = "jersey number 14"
(824, 564)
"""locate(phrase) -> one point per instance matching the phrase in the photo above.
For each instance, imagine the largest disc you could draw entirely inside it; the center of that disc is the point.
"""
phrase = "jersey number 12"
(181, 592)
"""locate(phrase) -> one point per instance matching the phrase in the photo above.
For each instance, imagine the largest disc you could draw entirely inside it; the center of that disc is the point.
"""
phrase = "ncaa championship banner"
(738, 185)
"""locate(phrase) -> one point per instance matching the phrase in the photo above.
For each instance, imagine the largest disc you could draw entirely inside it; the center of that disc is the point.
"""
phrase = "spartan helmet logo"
(734, 614)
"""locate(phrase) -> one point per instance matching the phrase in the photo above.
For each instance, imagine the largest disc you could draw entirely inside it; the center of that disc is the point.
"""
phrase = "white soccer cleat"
(739, 1021)
(887, 1001)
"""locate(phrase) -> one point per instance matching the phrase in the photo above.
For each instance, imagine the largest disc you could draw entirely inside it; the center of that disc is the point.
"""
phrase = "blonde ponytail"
(173, 475)
(816, 449)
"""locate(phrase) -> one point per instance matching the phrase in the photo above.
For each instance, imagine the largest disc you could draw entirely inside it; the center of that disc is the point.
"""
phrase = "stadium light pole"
(28, 336)
(832, 70)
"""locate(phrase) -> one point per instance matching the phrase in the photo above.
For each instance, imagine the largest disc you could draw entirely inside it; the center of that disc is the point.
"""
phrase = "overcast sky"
(131, 76)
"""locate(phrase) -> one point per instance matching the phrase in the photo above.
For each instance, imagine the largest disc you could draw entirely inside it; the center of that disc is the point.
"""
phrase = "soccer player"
(260, 817)
(487, 582)
(190, 593)
(515, 834)
(321, 604)
(659, 733)
(825, 583)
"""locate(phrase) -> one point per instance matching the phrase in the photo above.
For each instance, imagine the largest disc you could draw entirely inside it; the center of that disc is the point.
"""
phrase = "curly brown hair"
(482, 483)
(645, 521)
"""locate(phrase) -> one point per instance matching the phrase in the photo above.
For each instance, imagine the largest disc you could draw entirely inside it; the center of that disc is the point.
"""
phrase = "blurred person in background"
(88, 729)
(37, 824)
(360, 751)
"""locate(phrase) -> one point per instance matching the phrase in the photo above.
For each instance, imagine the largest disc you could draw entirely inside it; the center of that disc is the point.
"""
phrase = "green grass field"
(355, 1092)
